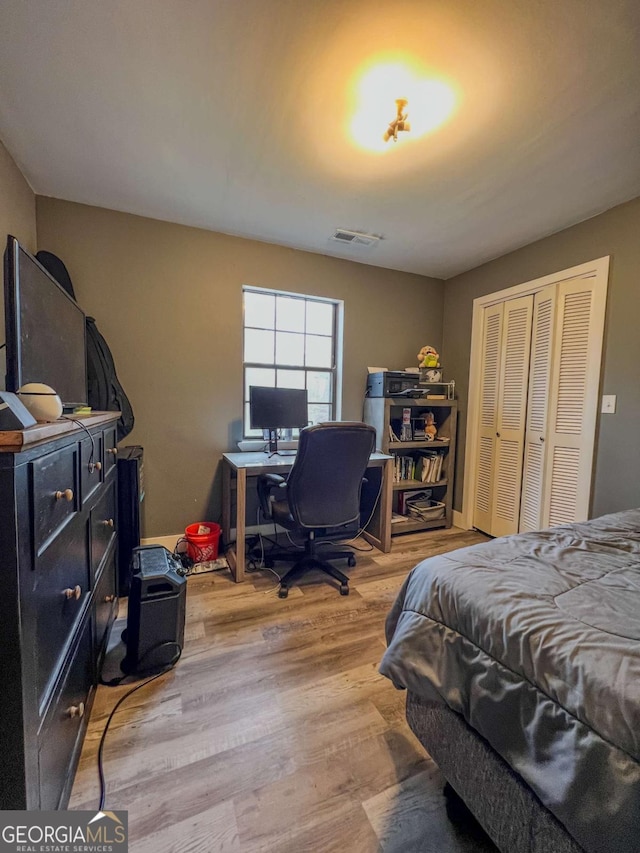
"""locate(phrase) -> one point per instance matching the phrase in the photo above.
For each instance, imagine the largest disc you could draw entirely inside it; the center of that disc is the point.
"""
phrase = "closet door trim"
(598, 269)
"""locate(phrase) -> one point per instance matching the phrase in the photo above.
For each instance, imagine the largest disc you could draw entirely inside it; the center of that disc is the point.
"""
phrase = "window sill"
(255, 444)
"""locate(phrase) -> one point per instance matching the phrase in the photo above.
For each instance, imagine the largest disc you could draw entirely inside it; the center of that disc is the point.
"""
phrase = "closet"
(536, 382)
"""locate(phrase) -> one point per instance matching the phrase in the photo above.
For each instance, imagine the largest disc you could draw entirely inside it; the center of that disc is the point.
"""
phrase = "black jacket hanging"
(104, 391)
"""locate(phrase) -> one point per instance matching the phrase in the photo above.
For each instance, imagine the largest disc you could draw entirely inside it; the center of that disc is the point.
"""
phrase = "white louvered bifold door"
(573, 404)
(487, 424)
(511, 415)
(542, 340)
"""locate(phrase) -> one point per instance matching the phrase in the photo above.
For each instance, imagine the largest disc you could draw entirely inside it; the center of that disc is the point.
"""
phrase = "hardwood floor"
(275, 731)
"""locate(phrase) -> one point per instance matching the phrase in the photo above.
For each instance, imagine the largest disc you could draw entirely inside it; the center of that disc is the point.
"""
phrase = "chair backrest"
(324, 485)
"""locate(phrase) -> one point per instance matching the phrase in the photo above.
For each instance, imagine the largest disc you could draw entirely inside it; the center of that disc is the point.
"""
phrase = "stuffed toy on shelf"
(428, 357)
(430, 428)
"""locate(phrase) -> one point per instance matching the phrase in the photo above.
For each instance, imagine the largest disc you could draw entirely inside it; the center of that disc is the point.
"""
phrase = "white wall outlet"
(608, 404)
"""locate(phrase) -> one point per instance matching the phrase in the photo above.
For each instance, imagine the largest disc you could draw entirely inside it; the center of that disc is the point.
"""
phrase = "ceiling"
(234, 115)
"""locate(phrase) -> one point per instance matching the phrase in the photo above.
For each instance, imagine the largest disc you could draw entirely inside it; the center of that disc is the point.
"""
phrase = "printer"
(393, 383)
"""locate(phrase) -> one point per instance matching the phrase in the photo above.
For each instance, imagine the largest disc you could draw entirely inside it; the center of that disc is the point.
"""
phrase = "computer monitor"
(277, 408)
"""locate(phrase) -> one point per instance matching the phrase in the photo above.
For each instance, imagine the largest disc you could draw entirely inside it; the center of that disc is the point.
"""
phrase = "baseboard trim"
(250, 530)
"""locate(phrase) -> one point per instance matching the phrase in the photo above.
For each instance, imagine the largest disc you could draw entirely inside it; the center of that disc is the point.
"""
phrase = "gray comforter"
(535, 640)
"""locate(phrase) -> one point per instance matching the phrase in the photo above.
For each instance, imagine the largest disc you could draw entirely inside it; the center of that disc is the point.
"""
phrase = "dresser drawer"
(58, 741)
(110, 450)
(91, 466)
(54, 490)
(60, 595)
(105, 598)
(103, 526)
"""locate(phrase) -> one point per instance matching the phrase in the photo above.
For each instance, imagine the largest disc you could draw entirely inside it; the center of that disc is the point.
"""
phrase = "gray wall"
(168, 299)
(17, 217)
(615, 233)
(17, 203)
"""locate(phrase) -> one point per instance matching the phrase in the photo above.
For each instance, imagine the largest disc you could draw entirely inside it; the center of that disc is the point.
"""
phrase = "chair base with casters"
(313, 558)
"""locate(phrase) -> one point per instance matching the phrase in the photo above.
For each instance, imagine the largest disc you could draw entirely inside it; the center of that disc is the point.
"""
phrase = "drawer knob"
(109, 598)
(95, 466)
(108, 522)
(76, 592)
(112, 450)
(76, 710)
(67, 494)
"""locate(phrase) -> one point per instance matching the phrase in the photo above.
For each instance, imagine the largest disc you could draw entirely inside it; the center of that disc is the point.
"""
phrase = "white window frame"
(251, 442)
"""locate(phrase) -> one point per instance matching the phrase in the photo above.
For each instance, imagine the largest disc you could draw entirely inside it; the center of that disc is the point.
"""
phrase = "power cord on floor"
(261, 567)
(115, 682)
(253, 569)
(361, 530)
(181, 554)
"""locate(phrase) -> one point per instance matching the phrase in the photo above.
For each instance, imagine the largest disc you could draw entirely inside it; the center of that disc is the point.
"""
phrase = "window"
(290, 341)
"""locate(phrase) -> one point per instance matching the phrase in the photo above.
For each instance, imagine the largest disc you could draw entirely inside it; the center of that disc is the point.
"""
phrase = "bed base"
(506, 808)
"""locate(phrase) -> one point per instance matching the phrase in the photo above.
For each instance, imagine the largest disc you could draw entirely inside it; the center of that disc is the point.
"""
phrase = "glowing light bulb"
(430, 103)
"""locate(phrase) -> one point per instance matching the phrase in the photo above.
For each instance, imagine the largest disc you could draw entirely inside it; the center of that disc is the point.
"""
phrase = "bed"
(521, 658)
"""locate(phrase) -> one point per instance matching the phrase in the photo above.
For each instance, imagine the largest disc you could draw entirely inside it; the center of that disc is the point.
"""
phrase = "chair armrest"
(273, 480)
(267, 482)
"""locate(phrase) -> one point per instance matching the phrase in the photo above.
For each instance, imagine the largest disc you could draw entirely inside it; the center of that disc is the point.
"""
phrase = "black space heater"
(157, 600)
(130, 497)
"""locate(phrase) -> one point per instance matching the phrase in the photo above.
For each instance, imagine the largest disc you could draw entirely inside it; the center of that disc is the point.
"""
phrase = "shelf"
(414, 524)
(382, 412)
(421, 402)
(418, 484)
(413, 445)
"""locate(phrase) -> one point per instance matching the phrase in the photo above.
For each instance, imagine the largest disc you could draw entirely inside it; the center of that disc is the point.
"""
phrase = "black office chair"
(321, 493)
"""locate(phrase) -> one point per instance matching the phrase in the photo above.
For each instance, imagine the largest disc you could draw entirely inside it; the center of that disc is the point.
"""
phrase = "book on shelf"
(404, 468)
(429, 468)
(423, 465)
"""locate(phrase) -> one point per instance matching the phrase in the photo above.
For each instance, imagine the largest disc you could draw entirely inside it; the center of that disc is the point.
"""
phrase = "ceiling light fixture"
(378, 86)
(399, 123)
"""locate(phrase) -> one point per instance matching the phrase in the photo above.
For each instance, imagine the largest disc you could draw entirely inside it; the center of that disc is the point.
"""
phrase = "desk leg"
(241, 510)
(226, 503)
(386, 502)
(380, 532)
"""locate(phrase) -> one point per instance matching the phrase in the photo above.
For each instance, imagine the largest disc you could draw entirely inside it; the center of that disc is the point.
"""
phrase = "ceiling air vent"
(355, 238)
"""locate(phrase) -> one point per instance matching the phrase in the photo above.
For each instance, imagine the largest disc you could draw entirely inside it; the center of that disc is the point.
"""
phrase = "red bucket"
(202, 538)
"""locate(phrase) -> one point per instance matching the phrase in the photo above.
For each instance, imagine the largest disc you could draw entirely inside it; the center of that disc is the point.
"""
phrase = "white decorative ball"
(41, 401)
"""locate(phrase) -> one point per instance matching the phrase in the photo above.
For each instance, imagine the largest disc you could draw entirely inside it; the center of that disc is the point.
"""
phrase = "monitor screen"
(278, 408)
(45, 329)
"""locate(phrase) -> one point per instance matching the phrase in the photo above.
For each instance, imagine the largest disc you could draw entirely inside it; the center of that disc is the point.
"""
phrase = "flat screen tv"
(45, 329)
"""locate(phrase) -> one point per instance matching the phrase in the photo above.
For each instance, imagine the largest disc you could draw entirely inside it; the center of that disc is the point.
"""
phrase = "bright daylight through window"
(291, 342)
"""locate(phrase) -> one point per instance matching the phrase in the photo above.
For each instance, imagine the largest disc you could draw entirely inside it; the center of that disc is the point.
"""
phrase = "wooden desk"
(237, 467)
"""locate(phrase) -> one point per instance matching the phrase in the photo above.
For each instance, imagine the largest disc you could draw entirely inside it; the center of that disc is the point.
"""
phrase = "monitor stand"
(273, 446)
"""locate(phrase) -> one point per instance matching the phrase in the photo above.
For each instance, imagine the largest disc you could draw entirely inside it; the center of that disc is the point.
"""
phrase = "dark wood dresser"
(58, 599)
